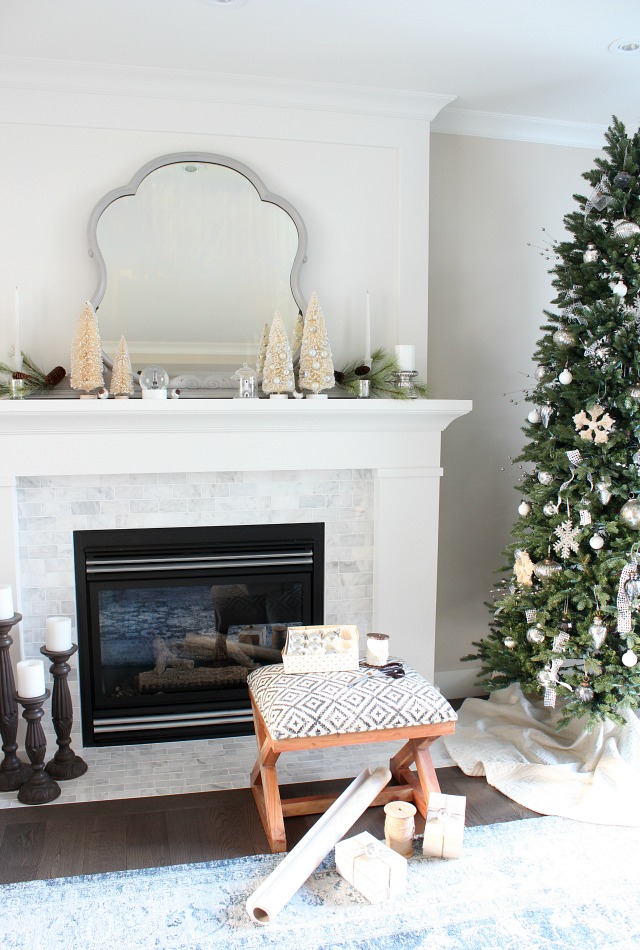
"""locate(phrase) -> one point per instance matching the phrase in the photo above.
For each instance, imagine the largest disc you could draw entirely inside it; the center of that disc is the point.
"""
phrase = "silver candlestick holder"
(404, 379)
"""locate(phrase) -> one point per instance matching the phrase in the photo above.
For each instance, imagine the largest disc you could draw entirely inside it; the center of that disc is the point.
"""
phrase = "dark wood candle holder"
(65, 764)
(13, 771)
(39, 788)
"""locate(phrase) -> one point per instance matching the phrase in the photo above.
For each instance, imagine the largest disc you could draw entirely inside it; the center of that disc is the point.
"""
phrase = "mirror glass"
(195, 256)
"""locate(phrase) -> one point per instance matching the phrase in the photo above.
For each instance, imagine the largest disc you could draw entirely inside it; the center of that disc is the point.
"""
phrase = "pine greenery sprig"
(35, 380)
(380, 374)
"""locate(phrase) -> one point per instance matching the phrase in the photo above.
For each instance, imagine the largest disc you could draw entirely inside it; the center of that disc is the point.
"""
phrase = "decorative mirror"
(195, 256)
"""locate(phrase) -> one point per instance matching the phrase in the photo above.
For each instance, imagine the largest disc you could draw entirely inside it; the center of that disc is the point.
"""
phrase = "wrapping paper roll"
(269, 899)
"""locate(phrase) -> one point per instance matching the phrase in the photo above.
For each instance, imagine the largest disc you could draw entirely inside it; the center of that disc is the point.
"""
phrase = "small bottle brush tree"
(121, 375)
(278, 364)
(262, 350)
(316, 364)
(86, 352)
(565, 619)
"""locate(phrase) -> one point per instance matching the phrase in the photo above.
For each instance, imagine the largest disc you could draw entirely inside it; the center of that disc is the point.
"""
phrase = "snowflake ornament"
(567, 541)
(594, 424)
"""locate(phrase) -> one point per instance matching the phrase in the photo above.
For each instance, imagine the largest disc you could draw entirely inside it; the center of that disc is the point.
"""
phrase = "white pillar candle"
(367, 332)
(6, 602)
(406, 354)
(30, 678)
(58, 634)
(17, 356)
(377, 649)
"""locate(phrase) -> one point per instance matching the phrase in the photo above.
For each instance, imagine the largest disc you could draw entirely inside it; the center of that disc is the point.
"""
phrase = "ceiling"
(539, 59)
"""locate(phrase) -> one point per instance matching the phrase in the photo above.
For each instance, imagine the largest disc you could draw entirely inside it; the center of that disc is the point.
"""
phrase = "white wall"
(489, 200)
(355, 167)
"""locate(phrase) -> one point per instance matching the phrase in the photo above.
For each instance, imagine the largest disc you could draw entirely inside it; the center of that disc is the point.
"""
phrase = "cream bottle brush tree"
(86, 352)
(121, 375)
(316, 364)
(262, 351)
(278, 375)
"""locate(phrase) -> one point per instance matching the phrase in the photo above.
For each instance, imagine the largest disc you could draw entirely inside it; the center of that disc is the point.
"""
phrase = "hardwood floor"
(49, 841)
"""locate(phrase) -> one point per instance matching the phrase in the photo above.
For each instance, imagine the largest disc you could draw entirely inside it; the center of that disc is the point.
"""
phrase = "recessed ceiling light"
(625, 46)
(228, 3)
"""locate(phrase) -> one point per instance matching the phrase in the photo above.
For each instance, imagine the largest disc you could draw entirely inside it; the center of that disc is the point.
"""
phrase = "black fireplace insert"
(172, 620)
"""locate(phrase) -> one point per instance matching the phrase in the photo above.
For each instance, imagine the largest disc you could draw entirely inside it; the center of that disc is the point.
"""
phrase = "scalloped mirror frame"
(208, 158)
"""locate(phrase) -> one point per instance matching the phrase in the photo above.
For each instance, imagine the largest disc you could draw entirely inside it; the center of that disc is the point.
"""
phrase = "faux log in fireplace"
(172, 620)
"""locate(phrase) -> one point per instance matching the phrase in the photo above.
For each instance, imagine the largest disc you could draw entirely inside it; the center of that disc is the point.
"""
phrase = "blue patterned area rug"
(539, 883)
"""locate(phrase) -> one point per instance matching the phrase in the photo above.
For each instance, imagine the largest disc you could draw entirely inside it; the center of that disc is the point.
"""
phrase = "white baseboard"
(458, 684)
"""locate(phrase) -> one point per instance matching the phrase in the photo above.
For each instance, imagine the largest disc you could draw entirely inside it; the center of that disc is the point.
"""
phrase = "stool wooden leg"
(426, 781)
(264, 785)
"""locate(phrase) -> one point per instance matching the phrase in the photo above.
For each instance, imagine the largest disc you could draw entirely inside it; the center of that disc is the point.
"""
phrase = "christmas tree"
(121, 375)
(86, 352)
(278, 365)
(316, 364)
(565, 617)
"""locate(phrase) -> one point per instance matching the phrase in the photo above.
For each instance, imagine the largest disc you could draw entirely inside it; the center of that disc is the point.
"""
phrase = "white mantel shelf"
(82, 436)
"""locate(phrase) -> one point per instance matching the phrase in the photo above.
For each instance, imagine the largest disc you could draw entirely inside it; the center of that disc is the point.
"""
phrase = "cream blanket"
(572, 773)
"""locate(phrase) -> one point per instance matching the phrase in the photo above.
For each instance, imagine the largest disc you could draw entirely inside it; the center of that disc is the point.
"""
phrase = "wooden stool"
(296, 711)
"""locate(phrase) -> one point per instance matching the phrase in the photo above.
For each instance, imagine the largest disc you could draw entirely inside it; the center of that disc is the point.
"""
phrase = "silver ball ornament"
(563, 337)
(509, 642)
(619, 288)
(630, 514)
(634, 393)
(625, 229)
(545, 678)
(546, 569)
(584, 693)
(545, 478)
(550, 509)
(535, 634)
(591, 254)
(540, 372)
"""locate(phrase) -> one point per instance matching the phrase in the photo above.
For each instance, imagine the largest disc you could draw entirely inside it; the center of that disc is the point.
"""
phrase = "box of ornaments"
(322, 649)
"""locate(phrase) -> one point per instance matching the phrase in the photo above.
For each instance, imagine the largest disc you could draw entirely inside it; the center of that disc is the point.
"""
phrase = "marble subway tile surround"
(50, 508)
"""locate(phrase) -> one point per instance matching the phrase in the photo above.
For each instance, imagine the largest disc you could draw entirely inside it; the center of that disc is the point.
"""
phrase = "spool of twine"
(399, 826)
(377, 649)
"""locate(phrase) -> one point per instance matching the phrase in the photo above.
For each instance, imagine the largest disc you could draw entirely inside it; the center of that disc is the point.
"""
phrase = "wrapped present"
(323, 649)
(373, 869)
(444, 826)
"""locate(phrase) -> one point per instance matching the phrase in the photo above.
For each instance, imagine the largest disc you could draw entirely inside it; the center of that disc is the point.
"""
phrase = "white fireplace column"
(406, 560)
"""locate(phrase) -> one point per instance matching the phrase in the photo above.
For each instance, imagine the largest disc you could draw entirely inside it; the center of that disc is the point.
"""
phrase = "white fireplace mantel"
(398, 440)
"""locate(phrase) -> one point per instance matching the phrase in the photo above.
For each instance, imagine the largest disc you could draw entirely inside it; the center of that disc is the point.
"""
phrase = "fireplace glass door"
(171, 623)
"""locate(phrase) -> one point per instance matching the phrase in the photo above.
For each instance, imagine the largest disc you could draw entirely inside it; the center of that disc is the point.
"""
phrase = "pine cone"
(19, 375)
(56, 376)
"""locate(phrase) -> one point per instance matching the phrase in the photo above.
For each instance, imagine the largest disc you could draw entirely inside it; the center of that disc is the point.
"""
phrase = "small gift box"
(444, 826)
(373, 869)
(322, 649)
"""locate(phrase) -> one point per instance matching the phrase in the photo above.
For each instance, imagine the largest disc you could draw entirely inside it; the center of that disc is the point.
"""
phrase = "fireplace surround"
(170, 622)
(74, 452)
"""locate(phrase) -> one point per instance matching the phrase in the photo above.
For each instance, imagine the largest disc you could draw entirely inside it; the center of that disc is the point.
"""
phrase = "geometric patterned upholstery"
(320, 704)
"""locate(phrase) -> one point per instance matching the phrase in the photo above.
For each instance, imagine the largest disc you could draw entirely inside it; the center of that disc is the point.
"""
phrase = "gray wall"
(489, 199)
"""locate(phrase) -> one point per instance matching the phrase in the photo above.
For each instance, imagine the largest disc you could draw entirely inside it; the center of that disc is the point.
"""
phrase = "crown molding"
(92, 79)
(519, 128)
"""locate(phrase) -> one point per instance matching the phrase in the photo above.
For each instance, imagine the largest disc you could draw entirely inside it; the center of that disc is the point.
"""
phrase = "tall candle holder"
(65, 764)
(40, 788)
(13, 771)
